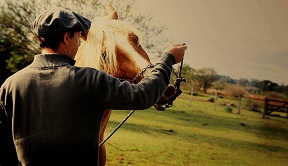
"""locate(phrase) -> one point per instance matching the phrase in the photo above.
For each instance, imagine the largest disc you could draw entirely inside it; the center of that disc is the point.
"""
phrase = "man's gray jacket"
(51, 110)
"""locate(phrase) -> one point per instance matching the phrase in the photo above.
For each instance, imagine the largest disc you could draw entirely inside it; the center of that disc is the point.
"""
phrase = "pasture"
(196, 134)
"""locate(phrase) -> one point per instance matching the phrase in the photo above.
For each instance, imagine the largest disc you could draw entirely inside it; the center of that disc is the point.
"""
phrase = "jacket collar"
(51, 60)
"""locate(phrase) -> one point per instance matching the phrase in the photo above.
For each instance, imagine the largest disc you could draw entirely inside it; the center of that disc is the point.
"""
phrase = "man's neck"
(51, 51)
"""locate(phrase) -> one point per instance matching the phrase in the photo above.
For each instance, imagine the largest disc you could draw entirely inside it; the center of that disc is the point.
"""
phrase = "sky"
(237, 38)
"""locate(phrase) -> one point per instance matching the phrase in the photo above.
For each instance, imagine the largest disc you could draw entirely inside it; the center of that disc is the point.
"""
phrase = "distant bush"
(276, 95)
(195, 94)
(229, 109)
(212, 99)
(234, 90)
(252, 105)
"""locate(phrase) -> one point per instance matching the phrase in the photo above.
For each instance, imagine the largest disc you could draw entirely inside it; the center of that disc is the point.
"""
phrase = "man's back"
(51, 106)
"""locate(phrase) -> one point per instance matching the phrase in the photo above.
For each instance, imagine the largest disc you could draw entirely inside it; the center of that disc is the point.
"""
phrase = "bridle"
(139, 75)
(132, 111)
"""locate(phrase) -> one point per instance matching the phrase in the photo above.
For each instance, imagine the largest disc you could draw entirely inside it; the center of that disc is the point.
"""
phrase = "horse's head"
(114, 46)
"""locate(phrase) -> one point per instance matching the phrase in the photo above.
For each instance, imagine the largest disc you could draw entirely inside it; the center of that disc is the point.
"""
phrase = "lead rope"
(131, 112)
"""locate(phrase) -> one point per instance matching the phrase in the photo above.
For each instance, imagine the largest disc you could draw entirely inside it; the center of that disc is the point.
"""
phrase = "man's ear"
(66, 38)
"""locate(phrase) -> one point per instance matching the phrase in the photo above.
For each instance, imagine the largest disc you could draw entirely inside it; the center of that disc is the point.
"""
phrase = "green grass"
(196, 134)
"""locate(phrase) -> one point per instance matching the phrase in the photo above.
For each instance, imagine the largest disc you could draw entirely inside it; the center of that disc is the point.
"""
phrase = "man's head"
(55, 25)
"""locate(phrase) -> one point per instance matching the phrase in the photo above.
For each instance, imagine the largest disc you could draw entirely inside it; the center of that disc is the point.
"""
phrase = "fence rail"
(274, 106)
(270, 105)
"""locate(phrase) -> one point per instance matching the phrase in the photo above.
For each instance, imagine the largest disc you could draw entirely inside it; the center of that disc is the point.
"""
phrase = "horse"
(114, 46)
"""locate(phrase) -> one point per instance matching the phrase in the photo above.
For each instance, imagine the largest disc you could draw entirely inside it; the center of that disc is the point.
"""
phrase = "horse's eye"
(136, 39)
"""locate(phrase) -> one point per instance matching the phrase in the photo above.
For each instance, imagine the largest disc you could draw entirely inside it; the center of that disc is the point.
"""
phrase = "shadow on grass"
(264, 128)
(228, 143)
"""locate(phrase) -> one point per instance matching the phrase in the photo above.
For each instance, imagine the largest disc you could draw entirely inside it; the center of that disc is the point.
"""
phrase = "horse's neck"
(87, 57)
(79, 57)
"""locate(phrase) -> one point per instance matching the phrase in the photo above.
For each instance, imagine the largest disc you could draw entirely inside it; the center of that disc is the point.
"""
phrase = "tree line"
(207, 78)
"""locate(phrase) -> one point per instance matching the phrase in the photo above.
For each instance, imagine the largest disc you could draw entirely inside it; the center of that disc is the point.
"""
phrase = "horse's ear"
(112, 14)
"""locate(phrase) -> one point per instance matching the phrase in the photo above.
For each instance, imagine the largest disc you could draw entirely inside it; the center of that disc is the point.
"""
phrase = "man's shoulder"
(17, 77)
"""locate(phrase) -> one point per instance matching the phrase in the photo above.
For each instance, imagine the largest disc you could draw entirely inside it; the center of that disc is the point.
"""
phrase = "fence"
(270, 105)
(274, 106)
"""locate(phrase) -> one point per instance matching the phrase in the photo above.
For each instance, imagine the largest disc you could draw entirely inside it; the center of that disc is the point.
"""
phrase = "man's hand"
(177, 51)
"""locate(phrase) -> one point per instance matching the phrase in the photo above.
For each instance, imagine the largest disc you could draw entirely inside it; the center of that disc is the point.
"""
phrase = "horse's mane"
(99, 50)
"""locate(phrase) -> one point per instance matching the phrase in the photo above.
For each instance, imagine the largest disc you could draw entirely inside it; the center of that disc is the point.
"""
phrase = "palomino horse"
(113, 46)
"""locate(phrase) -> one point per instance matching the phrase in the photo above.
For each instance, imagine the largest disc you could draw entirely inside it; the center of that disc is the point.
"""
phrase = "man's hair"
(52, 41)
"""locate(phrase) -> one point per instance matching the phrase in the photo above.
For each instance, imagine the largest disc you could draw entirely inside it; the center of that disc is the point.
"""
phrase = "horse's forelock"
(91, 51)
(101, 40)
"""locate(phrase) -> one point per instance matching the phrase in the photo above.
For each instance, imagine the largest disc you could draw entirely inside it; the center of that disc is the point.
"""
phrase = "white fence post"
(239, 104)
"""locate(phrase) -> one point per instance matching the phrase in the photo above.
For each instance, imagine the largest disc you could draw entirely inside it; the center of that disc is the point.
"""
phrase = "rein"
(132, 111)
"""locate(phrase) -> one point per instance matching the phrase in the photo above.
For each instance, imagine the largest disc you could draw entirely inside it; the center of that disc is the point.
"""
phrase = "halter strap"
(138, 75)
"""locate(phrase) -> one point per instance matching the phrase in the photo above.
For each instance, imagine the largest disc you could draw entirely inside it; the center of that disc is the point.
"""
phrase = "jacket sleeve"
(124, 95)
(8, 156)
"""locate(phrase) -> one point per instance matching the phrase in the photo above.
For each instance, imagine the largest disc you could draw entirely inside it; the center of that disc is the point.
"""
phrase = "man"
(48, 109)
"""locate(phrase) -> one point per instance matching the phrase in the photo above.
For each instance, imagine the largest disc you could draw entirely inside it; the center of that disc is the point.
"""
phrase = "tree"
(254, 83)
(219, 85)
(17, 42)
(187, 73)
(267, 85)
(204, 77)
(17, 39)
(243, 82)
(4, 56)
(224, 79)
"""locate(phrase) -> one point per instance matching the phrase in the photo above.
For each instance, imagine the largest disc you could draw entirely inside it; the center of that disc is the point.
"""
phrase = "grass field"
(196, 134)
